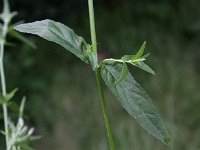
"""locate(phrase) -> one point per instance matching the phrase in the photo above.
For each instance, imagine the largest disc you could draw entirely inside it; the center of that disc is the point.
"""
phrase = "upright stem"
(3, 82)
(104, 109)
(98, 76)
(92, 25)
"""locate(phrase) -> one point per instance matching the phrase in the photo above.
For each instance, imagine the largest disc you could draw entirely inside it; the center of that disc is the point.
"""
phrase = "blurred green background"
(62, 98)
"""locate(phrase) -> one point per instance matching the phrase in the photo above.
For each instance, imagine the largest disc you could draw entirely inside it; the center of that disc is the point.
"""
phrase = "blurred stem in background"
(17, 136)
(3, 82)
(98, 76)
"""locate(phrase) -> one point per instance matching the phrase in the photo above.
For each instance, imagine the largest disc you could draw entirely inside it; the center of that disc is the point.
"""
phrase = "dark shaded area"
(62, 98)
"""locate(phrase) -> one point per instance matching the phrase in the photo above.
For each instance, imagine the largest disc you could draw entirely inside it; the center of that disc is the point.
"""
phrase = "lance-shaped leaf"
(11, 94)
(58, 33)
(134, 100)
(22, 105)
(140, 52)
(144, 67)
(7, 97)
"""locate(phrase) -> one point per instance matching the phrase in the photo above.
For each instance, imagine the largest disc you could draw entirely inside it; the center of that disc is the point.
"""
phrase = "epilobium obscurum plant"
(17, 136)
(114, 72)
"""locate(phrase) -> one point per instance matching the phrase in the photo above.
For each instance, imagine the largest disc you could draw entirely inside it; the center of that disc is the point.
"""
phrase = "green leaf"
(144, 67)
(21, 110)
(131, 59)
(140, 52)
(5, 99)
(134, 100)
(123, 75)
(146, 55)
(10, 95)
(140, 64)
(58, 33)
(127, 57)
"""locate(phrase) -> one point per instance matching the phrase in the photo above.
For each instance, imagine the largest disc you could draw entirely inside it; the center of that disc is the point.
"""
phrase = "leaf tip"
(15, 90)
(153, 73)
(144, 45)
(19, 27)
(168, 141)
(15, 28)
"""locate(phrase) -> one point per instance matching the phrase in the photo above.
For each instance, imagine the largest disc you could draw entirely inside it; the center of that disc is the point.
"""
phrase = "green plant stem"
(98, 76)
(92, 25)
(3, 83)
(104, 109)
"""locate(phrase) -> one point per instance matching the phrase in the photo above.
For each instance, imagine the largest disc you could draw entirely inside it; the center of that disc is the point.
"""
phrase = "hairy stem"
(3, 82)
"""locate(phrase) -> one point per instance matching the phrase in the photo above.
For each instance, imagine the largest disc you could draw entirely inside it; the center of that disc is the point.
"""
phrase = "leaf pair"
(135, 60)
(59, 33)
(140, 64)
(138, 60)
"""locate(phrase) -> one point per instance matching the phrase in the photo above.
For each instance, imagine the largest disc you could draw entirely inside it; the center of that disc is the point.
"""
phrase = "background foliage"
(62, 101)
